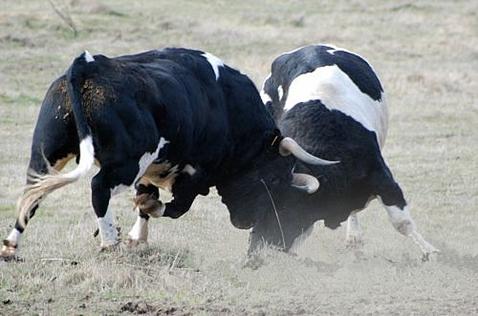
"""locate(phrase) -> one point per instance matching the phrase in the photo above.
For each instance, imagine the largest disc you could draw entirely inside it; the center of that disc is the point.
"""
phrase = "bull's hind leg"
(55, 142)
(108, 182)
(39, 164)
(392, 199)
(403, 222)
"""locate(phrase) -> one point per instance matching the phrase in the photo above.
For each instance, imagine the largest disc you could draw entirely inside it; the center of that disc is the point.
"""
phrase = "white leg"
(139, 232)
(108, 232)
(353, 235)
(404, 223)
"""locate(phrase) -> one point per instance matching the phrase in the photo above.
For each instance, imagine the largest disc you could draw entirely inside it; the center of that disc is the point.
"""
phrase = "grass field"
(427, 56)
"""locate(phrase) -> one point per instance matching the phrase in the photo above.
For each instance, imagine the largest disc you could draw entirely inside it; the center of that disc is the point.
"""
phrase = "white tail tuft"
(42, 185)
(87, 158)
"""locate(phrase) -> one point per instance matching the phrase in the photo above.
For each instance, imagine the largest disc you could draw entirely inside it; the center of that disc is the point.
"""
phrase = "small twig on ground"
(66, 17)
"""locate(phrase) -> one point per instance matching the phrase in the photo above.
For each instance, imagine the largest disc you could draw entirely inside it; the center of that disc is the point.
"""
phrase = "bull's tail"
(41, 185)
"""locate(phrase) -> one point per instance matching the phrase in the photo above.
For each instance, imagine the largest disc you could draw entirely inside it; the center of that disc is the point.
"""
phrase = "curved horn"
(289, 146)
(305, 182)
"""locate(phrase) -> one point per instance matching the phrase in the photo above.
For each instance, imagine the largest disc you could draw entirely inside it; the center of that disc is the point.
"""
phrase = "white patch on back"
(215, 63)
(108, 232)
(280, 92)
(88, 57)
(338, 92)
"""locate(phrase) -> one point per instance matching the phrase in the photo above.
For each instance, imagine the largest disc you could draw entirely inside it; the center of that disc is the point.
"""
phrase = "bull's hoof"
(254, 262)
(430, 256)
(148, 204)
(135, 243)
(8, 252)
(111, 247)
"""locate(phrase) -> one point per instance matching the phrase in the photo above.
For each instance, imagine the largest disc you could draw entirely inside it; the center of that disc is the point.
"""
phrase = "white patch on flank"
(190, 170)
(215, 63)
(280, 92)
(14, 236)
(108, 232)
(144, 162)
(147, 159)
(139, 231)
(88, 57)
(299, 240)
(87, 158)
(338, 92)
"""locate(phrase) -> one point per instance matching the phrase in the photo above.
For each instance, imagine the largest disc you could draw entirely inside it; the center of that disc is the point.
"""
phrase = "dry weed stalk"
(65, 17)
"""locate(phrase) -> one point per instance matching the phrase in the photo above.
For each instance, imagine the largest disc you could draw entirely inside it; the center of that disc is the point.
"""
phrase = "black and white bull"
(177, 119)
(332, 103)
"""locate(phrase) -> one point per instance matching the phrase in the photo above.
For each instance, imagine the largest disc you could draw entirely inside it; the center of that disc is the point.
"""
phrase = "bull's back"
(341, 80)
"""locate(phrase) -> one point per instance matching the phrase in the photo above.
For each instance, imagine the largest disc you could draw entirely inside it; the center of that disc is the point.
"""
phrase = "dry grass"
(427, 55)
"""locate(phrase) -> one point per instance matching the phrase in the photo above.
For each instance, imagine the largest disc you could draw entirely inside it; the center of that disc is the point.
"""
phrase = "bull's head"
(259, 191)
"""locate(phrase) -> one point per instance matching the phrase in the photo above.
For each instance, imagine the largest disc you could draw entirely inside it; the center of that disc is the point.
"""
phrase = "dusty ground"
(427, 56)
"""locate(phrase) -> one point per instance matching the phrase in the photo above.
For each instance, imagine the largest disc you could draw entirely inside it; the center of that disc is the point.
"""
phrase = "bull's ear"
(305, 182)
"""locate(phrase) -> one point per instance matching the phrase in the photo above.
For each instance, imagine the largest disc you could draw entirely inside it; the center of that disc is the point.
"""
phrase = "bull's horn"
(305, 182)
(289, 146)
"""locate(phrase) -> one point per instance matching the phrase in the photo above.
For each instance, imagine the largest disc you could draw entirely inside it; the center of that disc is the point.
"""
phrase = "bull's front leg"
(185, 189)
(146, 204)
